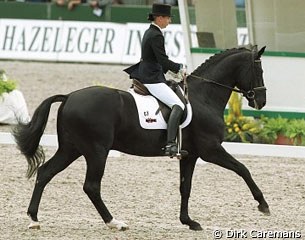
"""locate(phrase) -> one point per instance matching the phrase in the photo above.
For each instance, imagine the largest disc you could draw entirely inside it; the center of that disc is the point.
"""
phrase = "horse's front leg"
(187, 166)
(220, 157)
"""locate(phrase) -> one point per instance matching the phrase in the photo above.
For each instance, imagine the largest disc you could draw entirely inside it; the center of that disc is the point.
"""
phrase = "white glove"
(182, 71)
(180, 74)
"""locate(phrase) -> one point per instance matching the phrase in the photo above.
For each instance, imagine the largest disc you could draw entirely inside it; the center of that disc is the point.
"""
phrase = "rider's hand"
(180, 74)
(182, 71)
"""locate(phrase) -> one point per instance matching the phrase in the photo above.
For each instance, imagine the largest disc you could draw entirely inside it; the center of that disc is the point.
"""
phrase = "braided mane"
(216, 58)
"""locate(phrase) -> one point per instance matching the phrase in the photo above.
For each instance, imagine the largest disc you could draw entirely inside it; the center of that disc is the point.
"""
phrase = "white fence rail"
(233, 148)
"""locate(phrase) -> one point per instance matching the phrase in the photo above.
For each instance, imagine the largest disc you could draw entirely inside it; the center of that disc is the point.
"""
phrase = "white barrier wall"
(285, 81)
(284, 78)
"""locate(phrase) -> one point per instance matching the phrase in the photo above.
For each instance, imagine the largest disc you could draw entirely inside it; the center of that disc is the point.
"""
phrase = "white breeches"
(165, 94)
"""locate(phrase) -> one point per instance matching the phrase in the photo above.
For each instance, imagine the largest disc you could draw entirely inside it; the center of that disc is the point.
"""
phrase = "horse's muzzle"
(257, 98)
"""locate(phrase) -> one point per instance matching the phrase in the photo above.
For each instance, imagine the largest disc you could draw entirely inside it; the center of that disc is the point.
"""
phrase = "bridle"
(250, 95)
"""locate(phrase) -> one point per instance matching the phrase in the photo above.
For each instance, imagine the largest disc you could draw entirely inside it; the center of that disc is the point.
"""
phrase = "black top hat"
(160, 10)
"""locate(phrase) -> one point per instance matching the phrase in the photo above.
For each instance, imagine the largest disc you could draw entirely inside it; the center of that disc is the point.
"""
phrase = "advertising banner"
(72, 41)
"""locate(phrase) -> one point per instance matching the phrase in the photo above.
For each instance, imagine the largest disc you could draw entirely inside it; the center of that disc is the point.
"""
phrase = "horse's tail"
(28, 135)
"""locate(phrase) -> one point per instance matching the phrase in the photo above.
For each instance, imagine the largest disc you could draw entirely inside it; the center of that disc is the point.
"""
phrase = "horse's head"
(236, 67)
(252, 83)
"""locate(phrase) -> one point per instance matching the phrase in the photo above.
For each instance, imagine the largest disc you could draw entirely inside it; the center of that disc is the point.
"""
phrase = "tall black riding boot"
(171, 149)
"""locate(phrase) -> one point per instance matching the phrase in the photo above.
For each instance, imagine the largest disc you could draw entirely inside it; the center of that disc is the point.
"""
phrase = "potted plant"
(296, 131)
(6, 85)
(239, 128)
(13, 107)
(274, 131)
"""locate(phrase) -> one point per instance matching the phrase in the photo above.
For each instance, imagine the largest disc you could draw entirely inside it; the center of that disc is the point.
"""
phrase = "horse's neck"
(212, 94)
(209, 94)
(223, 72)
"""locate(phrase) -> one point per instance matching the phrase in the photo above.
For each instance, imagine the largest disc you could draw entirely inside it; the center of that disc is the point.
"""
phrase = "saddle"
(139, 88)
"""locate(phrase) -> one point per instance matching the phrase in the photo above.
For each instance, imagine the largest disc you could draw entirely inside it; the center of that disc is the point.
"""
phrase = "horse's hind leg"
(220, 157)
(96, 161)
(62, 159)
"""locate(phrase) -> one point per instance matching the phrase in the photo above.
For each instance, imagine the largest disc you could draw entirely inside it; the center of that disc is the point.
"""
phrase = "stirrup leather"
(172, 150)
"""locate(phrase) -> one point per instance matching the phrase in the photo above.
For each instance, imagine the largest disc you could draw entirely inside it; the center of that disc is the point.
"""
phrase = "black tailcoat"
(154, 61)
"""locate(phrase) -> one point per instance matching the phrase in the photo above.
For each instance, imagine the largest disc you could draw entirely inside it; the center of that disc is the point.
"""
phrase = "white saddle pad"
(149, 116)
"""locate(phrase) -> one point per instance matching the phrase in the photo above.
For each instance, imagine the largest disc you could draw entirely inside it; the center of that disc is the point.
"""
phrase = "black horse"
(94, 120)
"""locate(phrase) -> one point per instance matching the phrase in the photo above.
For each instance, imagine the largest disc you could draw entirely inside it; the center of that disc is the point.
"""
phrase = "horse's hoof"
(119, 225)
(195, 226)
(34, 225)
(264, 209)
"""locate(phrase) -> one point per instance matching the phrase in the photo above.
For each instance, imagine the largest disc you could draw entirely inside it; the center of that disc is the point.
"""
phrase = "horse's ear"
(260, 52)
(254, 48)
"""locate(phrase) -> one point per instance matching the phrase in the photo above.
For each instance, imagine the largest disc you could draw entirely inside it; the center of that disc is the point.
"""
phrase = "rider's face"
(163, 21)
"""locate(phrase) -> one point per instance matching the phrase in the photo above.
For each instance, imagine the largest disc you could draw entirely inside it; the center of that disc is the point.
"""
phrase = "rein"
(248, 94)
